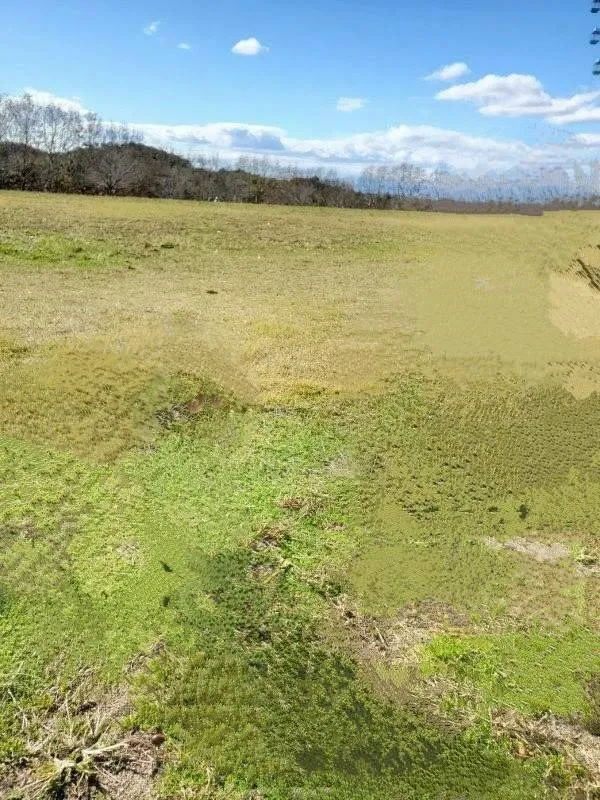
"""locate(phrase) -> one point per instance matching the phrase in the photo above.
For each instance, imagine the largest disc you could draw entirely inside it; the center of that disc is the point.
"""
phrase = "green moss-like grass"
(217, 423)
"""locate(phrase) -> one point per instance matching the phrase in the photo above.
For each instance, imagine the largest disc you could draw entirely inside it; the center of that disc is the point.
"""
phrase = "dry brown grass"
(577, 749)
(270, 302)
(77, 748)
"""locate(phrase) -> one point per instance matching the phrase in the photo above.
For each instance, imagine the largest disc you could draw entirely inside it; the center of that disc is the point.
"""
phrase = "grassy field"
(297, 503)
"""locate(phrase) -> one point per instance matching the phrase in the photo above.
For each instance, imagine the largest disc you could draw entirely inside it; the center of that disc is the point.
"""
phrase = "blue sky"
(285, 98)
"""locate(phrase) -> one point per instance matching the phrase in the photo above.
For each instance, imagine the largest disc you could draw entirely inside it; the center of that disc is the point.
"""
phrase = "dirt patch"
(141, 660)
(270, 537)
(548, 735)
(292, 503)
(184, 412)
(305, 506)
(574, 305)
(259, 571)
(401, 639)
(130, 553)
(78, 748)
(342, 466)
(22, 530)
(201, 401)
(588, 570)
(552, 553)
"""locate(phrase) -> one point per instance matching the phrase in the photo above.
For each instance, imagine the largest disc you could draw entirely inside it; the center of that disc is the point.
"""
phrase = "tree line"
(50, 148)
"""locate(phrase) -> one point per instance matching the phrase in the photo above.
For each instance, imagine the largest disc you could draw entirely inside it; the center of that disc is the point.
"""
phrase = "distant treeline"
(49, 148)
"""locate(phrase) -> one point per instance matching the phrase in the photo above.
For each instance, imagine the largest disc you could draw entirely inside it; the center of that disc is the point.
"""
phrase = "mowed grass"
(219, 422)
(466, 465)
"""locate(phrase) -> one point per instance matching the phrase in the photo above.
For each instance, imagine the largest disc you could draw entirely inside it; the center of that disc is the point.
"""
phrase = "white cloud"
(43, 98)
(422, 144)
(425, 145)
(152, 28)
(517, 95)
(450, 72)
(184, 46)
(228, 136)
(586, 113)
(586, 139)
(249, 47)
(348, 104)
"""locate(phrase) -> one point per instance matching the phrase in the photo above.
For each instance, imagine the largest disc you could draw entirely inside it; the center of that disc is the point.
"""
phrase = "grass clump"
(533, 672)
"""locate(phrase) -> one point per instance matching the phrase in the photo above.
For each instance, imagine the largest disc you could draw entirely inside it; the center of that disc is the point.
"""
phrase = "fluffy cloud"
(43, 98)
(451, 72)
(585, 113)
(424, 145)
(511, 95)
(518, 95)
(586, 139)
(228, 137)
(249, 47)
(152, 28)
(184, 46)
(420, 144)
(348, 104)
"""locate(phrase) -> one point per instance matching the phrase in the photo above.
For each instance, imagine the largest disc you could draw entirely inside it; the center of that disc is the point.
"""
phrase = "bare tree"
(110, 169)
(373, 182)
(113, 134)
(91, 130)
(24, 120)
(4, 117)
(405, 180)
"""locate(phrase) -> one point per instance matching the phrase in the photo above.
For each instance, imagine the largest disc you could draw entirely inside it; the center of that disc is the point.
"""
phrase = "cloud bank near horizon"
(427, 145)
(422, 144)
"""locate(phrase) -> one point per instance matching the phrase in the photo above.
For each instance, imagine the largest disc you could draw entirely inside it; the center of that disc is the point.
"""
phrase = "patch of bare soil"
(270, 536)
(575, 296)
(267, 560)
(141, 660)
(184, 412)
(587, 565)
(539, 551)
(342, 466)
(305, 506)
(130, 553)
(259, 571)
(548, 735)
(78, 748)
(201, 401)
(292, 503)
(588, 570)
(398, 640)
(21, 530)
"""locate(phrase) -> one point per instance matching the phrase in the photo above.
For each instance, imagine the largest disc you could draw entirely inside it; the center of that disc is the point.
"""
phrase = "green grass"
(304, 719)
(392, 393)
(535, 672)
(105, 534)
(464, 464)
(157, 549)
